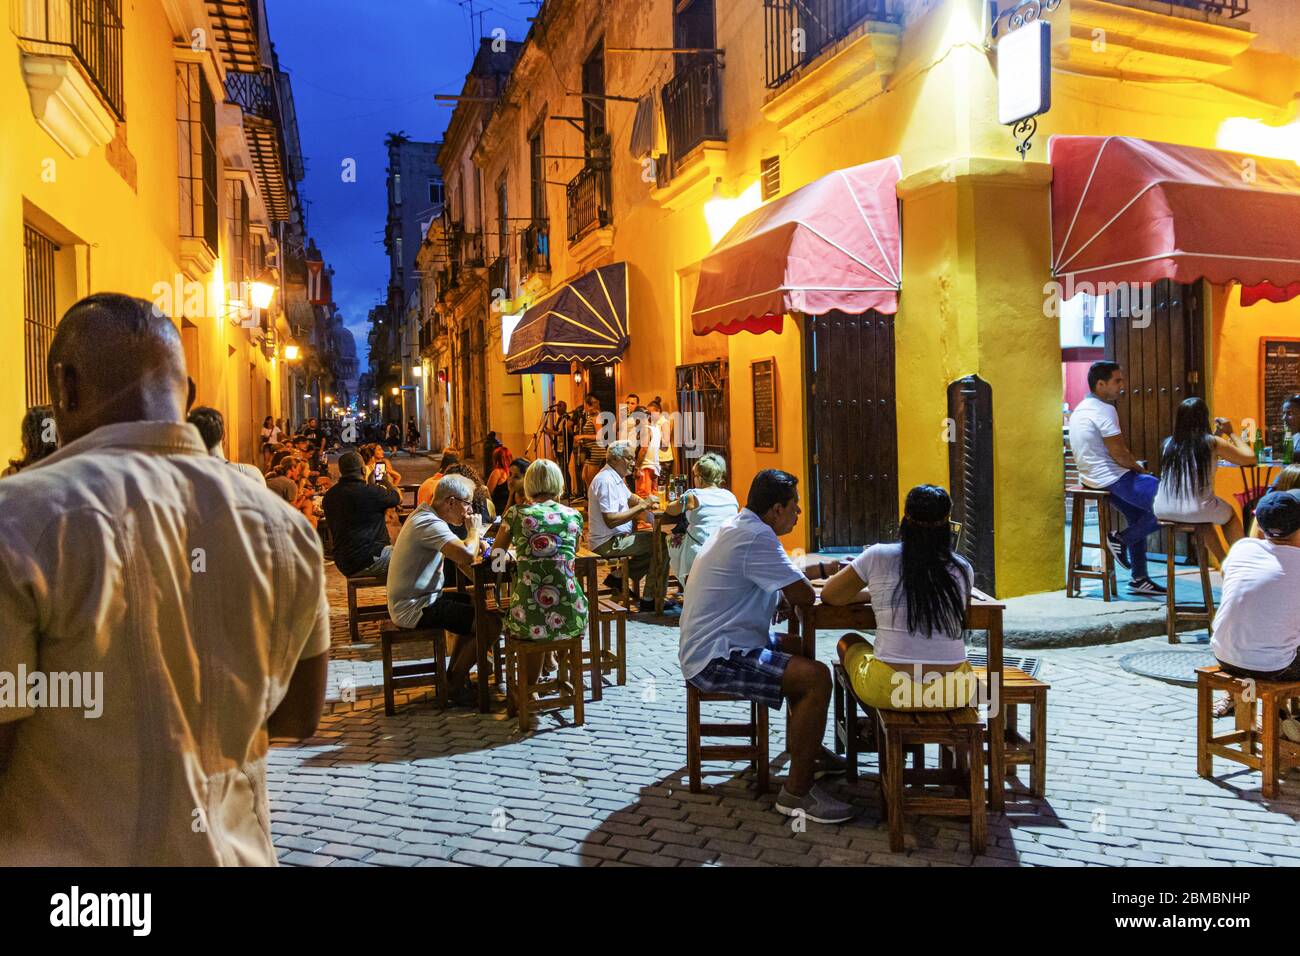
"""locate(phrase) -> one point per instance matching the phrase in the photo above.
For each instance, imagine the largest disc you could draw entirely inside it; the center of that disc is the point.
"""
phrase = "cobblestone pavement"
(434, 788)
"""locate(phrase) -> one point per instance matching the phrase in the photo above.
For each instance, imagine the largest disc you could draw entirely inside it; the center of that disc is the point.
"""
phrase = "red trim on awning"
(1130, 210)
(834, 244)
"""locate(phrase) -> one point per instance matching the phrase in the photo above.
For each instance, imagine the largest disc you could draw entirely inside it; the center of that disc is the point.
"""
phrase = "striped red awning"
(1129, 210)
(834, 244)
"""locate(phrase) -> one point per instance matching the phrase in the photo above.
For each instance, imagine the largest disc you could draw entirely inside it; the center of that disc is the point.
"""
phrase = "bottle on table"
(1288, 448)
(1259, 444)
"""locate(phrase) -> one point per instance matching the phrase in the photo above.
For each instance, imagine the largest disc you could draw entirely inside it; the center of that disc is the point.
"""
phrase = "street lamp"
(291, 353)
(395, 391)
(262, 291)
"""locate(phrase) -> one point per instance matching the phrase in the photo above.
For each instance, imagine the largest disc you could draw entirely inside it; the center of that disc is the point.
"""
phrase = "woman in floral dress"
(547, 603)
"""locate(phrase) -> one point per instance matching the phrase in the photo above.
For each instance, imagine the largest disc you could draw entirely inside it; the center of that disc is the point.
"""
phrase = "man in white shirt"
(1105, 462)
(727, 645)
(612, 511)
(212, 427)
(416, 578)
(1257, 626)
(134, 560)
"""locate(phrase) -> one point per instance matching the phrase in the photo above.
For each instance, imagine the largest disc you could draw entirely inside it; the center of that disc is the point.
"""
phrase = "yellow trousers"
(882, 686)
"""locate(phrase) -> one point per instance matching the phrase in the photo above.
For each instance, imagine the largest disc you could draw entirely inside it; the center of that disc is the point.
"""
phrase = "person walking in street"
(196, 594)
(1105, 462)
(727, 644)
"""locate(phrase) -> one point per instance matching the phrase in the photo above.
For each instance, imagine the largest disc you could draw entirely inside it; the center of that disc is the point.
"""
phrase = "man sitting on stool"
(1105, 463)
(357, 513)
(612, 511)
(416, 578)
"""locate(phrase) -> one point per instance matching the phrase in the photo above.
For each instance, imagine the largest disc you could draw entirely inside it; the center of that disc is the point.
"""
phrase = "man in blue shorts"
(728, 646)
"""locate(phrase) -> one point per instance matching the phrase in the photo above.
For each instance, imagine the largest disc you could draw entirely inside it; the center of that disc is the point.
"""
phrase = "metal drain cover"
(1174, 667)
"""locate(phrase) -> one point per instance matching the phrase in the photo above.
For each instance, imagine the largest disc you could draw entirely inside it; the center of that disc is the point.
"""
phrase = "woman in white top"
(706, 506)
(1188, 465)
(920, 591)
(270, 434)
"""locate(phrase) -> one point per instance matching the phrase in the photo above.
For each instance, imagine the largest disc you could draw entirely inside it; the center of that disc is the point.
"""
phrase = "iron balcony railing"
(469, 251)
(535, 247)
(588, 201)
(692, 110)
(89, 31)
(798, 30)
(1223, 8)
(254, 93)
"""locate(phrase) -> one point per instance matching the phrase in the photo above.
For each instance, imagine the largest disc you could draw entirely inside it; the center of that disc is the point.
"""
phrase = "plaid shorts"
(753, 674)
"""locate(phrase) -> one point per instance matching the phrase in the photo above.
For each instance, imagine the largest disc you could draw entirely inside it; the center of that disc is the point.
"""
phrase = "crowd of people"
(200, 597)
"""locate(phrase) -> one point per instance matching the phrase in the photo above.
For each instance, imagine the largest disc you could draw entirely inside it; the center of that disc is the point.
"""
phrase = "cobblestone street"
(430, 788)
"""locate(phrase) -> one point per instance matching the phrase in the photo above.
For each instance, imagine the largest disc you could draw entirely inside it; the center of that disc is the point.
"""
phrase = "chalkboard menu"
(763, 373)
(1279, 379)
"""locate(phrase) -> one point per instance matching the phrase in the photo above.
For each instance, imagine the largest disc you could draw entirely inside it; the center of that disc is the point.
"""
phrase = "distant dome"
(345, 343)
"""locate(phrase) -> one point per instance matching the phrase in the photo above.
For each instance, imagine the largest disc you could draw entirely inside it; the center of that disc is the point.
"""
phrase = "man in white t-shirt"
(1257, 626)
(612, 511)
(727, 645)
(1105, 462)
(417, 574)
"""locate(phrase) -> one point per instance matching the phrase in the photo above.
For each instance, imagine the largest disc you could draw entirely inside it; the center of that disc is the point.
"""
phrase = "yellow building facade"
(142, 157)
(762, 107)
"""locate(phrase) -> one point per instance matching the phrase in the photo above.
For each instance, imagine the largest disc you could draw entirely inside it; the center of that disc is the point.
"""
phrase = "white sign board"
(508, 323)
(1025, 72)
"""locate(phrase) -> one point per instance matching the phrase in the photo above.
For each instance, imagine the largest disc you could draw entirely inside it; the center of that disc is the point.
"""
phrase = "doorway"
(852, 429)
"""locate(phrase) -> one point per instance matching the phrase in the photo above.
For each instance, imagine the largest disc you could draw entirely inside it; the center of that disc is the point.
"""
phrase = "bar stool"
(755, 729)
(1176, 613)
(1077, 570)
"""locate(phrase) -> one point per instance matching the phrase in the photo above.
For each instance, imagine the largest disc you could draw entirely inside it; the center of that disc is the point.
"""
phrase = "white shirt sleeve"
(1108, 421)
(861, 565)
(768, 566)
(608, 498)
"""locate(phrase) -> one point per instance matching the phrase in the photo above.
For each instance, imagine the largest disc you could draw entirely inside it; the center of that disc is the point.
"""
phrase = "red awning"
(833, 244)
(1129, 210)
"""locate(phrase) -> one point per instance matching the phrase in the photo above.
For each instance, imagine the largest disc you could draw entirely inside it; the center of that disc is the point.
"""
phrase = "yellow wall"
(119, 238)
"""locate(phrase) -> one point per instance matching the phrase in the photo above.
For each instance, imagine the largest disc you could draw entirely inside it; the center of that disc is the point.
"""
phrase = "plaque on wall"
(1279, 379)
(763, 374)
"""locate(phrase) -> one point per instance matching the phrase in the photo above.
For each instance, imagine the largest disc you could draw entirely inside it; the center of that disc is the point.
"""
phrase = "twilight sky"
(362, 69)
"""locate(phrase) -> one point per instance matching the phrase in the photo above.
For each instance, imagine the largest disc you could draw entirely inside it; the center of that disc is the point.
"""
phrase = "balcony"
(1220, 8)
(447, 279)
(588, 202)
(469, 250)
(256, 95)
(499, 277)
(692, 102)
(823, 22)
(535, 249)
(72, 63)
(237, 33)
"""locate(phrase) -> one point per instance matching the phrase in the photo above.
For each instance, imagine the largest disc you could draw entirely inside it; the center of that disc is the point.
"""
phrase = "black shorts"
(451, 612)
(1287, 674)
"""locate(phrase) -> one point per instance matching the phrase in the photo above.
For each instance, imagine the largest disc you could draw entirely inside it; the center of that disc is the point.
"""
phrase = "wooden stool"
(607, 631)
(852, 736)
(414, 673)
(1076, 569)
(1176, 613)
(1019, 689)
(359, 613)
(920, 789)
(756, 730)
(567, 692)
(1257, 744)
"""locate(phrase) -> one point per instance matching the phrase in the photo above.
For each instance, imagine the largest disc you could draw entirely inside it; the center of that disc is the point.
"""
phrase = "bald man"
(174, 610)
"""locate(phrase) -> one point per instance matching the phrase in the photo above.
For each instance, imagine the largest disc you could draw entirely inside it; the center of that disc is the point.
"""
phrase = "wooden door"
(1161, 348)
(852, 496)
(704, 411)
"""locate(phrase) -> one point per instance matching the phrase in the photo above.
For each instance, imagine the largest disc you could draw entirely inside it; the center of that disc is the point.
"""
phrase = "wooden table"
(985, 614)
(1252, 488)
(658, 573)
(409, 486)
(585, 567)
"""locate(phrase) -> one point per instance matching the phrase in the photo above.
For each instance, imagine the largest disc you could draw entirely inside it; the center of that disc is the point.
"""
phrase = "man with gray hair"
(416, 577)
(612, 511)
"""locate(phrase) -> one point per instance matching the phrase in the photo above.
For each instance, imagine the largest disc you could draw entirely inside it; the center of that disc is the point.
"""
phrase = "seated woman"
(706, 505)
(498, 476)
(920, 591)
(393, 476)
(1188, 465)
(547, 602)
(515, 496)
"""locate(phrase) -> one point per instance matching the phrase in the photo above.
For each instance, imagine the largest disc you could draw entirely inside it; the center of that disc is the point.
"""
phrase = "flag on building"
(318, 283)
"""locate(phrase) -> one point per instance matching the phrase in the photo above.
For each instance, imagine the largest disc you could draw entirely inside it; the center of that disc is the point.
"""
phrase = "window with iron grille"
(537, 173)
(40, 315)
(196, 120)
(593, 99)
(240, 246)
(89, 31)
